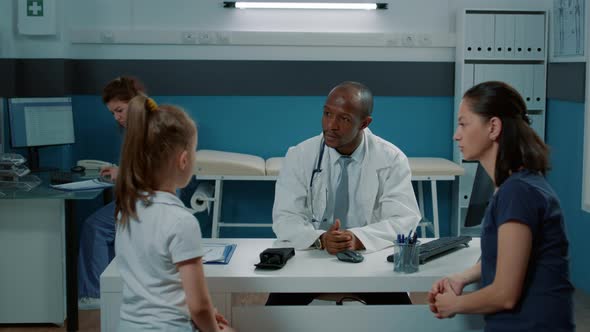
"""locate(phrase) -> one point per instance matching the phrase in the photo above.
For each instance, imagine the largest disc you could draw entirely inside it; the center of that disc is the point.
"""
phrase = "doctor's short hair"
(366, 96)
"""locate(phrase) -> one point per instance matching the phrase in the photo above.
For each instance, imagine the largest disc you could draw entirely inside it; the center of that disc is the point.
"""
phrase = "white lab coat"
(385, 192)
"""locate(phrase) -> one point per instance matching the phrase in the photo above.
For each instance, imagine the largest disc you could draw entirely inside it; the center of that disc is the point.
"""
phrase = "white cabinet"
(498, 45)
(32, 261)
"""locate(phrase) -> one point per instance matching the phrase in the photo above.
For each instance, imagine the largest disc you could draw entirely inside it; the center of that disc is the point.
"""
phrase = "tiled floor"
(90, 319)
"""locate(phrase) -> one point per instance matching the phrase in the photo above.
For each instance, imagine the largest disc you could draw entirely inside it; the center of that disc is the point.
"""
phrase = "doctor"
(347, 188)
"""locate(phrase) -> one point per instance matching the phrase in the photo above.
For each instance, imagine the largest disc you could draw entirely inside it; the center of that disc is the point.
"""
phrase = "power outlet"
(189, 37)
(408, 40)
(223, 37)
(424, 40)
(392, 40)
(107, 37)
(206, 37)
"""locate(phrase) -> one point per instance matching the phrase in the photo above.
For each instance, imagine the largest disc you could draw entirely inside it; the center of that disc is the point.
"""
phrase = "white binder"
(499, 34)
(487, 25)
(478, 74)
(536, 34)
(520, 22)
(539, 86)
(538, 123)
(527, 85)
(509, 32)
(515, 74)
(472, 36)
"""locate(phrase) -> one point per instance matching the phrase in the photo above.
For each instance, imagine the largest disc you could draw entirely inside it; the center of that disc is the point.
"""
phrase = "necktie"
(341, 200)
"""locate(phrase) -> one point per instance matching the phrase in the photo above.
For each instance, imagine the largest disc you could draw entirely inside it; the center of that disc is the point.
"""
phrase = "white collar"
(356, 156)
(163, 197)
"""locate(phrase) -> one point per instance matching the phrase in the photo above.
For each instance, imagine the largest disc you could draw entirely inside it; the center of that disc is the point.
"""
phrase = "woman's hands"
(443, 296)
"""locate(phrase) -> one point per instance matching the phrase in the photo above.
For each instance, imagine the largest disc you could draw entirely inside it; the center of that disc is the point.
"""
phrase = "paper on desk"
(84, 185)
(218, 253)
(214, 252)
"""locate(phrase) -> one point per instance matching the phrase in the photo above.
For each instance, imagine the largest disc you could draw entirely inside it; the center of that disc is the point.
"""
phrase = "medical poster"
(568, 28)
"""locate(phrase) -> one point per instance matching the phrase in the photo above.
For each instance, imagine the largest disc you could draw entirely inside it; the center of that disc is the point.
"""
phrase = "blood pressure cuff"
(275, 258)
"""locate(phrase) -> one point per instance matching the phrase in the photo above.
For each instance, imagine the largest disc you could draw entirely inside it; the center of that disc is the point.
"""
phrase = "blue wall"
(565, 135)
(267, 126)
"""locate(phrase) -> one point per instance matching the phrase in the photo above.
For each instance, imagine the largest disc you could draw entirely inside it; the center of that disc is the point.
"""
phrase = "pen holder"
(405, 257)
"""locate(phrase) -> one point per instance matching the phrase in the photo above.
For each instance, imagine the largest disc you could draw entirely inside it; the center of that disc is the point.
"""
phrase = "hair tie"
(526, 118)
(151, 105)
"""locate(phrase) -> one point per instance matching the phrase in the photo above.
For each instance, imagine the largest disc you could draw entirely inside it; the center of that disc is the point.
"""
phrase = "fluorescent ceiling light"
(304, 5)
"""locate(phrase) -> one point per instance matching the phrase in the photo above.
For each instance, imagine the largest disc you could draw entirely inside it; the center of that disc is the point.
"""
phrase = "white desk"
(423, 169)
(315, 271)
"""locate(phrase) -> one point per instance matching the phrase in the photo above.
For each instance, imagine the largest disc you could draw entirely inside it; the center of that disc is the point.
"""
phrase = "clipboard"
(218, 253)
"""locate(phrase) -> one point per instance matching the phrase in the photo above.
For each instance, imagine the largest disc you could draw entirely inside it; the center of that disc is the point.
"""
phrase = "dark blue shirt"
(546, 300)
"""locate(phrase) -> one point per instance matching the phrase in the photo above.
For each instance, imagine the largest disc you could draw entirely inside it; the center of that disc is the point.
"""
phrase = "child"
(158, 242)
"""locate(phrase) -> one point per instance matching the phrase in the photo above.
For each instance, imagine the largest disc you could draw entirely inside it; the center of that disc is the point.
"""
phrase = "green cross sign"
(34, 7)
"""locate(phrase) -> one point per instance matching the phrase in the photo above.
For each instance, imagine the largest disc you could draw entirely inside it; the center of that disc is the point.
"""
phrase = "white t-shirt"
(147, 249)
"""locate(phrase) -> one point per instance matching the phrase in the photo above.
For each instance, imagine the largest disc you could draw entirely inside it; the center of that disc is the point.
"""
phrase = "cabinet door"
(32, 264)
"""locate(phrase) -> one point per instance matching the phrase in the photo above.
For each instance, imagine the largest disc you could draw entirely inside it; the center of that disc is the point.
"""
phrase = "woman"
(524, 267)
(98, 231)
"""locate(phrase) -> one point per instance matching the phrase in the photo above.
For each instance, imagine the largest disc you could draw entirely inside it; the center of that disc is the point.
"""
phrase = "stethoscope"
(317, 170)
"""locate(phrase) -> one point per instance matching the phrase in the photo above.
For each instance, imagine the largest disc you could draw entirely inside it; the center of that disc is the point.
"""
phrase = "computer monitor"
(37, 122)
(2, 144)
(481, 193)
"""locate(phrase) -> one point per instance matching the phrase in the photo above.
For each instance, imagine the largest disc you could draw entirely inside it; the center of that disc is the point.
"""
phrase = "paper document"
(84, 185)
(218, 253)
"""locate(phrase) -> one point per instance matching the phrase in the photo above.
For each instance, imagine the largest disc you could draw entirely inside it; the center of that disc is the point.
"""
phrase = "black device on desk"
(60, 177)
(439, 247)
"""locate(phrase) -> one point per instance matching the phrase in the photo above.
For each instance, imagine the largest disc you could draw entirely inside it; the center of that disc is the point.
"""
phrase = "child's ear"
(183, 160)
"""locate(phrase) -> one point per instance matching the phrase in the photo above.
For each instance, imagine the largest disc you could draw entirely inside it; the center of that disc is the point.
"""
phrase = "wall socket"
(107, 37)
(424, 40)
(206, 37)
(223, 37)
(189, 37)
(408, 40)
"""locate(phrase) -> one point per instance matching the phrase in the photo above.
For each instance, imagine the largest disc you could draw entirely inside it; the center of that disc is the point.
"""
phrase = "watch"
(318, 243)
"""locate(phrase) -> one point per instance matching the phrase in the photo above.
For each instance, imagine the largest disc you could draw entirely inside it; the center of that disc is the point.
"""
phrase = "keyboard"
(439, 247)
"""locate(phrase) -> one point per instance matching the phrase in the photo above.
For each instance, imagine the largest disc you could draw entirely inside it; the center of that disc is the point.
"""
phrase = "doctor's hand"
(355, 243)
(109, 172)
(334, 240)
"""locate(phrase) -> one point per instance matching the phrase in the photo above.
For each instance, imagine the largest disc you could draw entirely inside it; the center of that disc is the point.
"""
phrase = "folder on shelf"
(218, 253)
